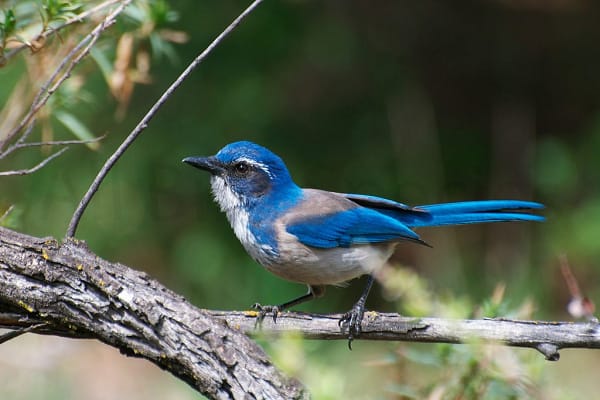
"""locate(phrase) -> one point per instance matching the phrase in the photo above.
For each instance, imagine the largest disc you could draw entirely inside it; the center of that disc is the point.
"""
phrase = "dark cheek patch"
(260, 184)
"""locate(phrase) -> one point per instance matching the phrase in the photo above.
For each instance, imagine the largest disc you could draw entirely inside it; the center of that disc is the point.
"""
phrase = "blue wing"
(358, 225)
(348, 219)
(380, 203)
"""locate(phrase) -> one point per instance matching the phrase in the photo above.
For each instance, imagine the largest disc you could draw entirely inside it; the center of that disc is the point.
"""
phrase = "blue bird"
(319, 238)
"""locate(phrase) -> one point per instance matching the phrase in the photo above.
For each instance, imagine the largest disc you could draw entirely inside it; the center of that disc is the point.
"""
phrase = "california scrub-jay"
(323, 238)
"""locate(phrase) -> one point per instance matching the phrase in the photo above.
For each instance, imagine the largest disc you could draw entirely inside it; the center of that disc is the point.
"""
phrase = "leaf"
(7, 27)
(76, 127)
(10, 22)
(160, 13)
(54, 10)
(103, 62)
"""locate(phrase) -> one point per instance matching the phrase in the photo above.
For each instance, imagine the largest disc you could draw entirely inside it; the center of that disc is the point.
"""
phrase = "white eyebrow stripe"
(255, 163)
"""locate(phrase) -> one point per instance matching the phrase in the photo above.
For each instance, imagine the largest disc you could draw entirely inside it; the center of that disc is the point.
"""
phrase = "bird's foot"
(352, 320)
(262, 312)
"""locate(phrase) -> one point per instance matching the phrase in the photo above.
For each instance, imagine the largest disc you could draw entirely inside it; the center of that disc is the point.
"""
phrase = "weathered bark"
(548, 337)
(65, 289)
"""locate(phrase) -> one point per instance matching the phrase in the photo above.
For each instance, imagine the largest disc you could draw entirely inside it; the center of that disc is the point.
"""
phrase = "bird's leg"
(313, 293)
(353, 318)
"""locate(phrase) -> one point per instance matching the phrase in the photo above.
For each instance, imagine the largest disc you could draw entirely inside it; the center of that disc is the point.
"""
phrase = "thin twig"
(579, 306)
(68, 64)
(16, 333)
(144, 122)
(23, 137)
(78, 18)
(60, 142)
(6, 213)
(35, 168)
(20, 145)
(570, 279)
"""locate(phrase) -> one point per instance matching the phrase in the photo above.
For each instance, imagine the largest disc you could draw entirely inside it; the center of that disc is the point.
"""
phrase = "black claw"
(263, 311)
(352, 320)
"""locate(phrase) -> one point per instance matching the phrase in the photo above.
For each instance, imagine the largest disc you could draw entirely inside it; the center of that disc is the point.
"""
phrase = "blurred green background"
(421, 102)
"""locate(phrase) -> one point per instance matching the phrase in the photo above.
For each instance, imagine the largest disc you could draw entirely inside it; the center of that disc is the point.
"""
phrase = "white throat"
(224, 196)
(233, 207)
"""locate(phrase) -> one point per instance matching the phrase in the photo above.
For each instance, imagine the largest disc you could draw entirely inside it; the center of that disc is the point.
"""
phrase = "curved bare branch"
(149, 115)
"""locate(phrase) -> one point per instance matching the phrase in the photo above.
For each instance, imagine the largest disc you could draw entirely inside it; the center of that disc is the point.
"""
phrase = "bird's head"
(243, 172)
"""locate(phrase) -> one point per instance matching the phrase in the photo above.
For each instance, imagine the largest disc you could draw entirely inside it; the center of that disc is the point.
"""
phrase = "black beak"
(210, 164)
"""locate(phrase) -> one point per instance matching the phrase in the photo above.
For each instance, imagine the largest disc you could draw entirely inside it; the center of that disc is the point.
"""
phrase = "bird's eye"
(241, 167)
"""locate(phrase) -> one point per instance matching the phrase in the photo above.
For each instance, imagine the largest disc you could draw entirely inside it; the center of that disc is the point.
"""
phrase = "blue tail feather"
(482, 206)
(468, 212)
(473, 212)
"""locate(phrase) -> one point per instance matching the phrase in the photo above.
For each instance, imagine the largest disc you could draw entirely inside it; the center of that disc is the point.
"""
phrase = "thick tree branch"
(67, 290)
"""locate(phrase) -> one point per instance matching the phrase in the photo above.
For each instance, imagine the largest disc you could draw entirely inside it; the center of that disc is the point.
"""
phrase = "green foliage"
(161, 13)
(483, 372)
(149, 19)
(59, 10)
(8, 25)
(123, 62)
(419, 371)
(24, 16)
(471, 371)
